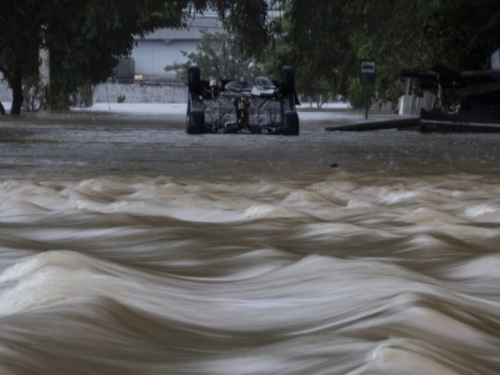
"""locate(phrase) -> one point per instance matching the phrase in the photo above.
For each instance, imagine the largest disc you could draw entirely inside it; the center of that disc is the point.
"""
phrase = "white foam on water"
(431, 323)
(269, 212)
(424, 215)
(29, 198)
(478, 211)
(484, 268)
(389, 197)
(392, 360)
(357, 203)
(205, 215)
(250, 364)
(251, 287)
(304, 198)
(338, 232)
(64, 259)
(48, 287)
(162, 191)
(171, 200)
(55, 277)
(80, 203)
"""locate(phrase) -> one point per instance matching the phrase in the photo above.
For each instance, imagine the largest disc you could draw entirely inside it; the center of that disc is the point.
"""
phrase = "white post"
(408, 90)
(495, 59)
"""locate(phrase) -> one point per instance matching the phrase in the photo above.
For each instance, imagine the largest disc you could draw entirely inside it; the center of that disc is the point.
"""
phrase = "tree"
(86, 37)
(393, 34)
(464, 34)
(289, 46)
(19, 45)
(217, 55)
(326, 39)
(248, 22)
(314, 37)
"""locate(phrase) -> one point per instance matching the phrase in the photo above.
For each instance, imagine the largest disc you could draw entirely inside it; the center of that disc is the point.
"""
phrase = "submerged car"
(260, 106)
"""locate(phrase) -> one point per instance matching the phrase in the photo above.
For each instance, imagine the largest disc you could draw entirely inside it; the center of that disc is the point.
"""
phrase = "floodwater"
(129, 247)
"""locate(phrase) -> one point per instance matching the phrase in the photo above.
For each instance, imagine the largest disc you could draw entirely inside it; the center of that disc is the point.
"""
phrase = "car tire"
(194, 79)
(288, 80)
(291, 123)
(195, 122)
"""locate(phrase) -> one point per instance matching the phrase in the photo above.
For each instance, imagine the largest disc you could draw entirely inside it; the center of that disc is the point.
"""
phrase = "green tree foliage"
(218, 56)
(86, 37)
(19, 43)
(393, 35)
(247, 21)
(463, 34)
(294, 44)
(326, 39)
(316, 36)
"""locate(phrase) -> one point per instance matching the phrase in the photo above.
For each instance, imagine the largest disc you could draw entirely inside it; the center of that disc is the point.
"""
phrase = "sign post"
(368, 77)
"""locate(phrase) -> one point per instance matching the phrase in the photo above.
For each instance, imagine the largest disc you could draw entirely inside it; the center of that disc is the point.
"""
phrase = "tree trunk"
(17, 93)
(44, 74)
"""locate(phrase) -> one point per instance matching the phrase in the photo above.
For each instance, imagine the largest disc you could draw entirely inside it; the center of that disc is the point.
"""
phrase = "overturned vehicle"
(259, 107)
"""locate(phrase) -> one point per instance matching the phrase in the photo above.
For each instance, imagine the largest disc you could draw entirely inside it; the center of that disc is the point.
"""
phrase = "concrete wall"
(175, 92)
(163, 46)
(5, 91)
(141, 93)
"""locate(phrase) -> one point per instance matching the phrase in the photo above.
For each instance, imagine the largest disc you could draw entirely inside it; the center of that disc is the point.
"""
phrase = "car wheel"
(291, 123)
(288, 79)
(194, 79)
(195, 122)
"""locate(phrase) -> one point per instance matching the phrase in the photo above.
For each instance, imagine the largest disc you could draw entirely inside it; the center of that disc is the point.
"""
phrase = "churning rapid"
(140, 250)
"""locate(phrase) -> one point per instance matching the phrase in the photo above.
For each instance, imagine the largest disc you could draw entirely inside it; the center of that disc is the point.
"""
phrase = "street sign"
(368, 77)
(368, 72)
(368, 67)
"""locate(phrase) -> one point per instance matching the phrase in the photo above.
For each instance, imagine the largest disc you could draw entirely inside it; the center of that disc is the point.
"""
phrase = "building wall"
(151, 56)
(163, 46)
(5, 91)
(133, 92)
(141, 92)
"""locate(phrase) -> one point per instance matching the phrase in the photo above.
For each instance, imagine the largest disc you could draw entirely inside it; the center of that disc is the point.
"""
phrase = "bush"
(356, 94)
(34, 93)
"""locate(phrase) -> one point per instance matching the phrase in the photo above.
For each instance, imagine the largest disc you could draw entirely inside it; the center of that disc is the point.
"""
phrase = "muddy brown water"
(129, 247)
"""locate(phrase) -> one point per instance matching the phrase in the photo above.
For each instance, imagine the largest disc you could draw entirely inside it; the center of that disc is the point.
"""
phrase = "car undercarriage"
(259, 107)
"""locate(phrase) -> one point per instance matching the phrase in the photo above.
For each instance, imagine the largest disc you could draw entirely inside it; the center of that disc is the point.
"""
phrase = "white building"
(164, 47)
